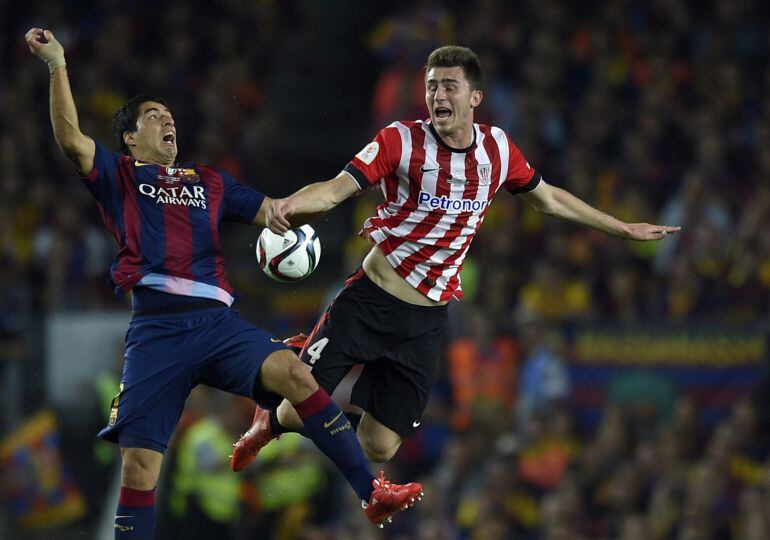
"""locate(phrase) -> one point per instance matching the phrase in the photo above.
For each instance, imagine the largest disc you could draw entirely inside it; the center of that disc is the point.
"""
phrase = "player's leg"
(135, 516)
(323, 421)
(328, 352)
(287, 417)
(155, 384)
(380, 443)
(393, 390)
(331, 431)
(249, 361)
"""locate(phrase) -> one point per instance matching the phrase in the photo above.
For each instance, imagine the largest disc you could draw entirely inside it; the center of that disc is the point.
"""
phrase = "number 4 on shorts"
(314, 351)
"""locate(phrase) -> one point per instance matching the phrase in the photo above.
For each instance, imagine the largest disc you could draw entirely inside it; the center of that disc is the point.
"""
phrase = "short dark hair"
(456, 56)
(126, 117)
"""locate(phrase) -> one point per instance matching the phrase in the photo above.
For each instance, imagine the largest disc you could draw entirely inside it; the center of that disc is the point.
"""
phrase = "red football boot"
(254, 440)
(387, 499)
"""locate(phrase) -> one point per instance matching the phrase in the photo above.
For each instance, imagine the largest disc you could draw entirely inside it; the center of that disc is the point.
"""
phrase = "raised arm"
(79, 148)
(279, 215)
(560, 203)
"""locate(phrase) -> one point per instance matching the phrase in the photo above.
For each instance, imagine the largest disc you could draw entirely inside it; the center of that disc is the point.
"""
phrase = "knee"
(138, 473)
(283, 373)
(300, 379)
(378, 451)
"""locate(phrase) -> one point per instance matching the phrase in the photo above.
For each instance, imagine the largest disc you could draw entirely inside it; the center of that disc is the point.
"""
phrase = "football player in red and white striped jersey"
(438, 178)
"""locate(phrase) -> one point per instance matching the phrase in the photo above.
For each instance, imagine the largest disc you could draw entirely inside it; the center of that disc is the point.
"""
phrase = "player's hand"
(363, 233)
(51, 52)
(277, 216)
(645, 231)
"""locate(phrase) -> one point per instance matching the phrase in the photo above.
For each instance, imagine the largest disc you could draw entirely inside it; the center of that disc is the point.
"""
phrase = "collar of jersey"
(140, 163)
(447, 147)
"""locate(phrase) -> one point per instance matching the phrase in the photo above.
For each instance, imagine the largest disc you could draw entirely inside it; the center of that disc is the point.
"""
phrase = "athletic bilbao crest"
(485, 174)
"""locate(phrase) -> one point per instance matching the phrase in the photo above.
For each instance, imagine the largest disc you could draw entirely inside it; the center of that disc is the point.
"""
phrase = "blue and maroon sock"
(332, 433)
(135, 517)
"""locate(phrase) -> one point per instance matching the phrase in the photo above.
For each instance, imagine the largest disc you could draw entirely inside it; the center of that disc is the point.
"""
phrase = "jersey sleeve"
(521, 177)
(102, 180)
(241, 203)
(378, 159)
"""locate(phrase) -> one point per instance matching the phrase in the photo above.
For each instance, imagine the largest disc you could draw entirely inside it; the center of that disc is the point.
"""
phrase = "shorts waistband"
(365, 281)
(167, 310)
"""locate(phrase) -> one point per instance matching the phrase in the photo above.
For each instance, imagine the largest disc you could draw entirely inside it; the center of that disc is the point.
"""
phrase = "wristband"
(57, 63)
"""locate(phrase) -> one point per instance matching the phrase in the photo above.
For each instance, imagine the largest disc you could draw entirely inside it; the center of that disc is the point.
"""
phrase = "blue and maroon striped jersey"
(166, 222)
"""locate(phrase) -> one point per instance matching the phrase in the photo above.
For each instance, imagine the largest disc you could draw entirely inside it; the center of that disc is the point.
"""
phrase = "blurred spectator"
(544, 379)
(205, 496)
(483, 369)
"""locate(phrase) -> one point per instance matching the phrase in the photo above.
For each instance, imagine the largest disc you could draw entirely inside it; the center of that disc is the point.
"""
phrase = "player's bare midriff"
(383, 275)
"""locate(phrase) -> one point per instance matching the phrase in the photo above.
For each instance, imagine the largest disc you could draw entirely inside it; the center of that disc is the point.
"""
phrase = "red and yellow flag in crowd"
(39, 490)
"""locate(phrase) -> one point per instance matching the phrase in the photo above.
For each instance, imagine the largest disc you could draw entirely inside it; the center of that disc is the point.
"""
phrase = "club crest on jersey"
(368, 154)
(179, 174)
(485, 174)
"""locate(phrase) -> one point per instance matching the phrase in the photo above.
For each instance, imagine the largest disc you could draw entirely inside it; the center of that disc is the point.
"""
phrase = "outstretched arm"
(560, 203)
(279, 215)
(64, 117)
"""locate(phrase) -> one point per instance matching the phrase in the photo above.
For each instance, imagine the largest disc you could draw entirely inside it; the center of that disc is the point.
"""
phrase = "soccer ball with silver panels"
(291, 257)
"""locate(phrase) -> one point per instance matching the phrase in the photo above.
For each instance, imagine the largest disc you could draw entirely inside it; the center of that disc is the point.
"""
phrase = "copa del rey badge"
(368, 154)
(179, 174)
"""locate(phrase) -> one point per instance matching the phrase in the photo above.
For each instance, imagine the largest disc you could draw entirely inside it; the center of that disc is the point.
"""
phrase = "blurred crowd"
(650, 110)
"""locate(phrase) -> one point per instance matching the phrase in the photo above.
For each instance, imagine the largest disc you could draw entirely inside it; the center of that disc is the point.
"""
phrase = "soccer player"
(165, 218)
(438, 178)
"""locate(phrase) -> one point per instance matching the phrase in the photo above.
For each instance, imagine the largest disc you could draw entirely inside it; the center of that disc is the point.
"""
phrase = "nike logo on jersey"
(416, 424)
(424, 169)
(330, 422)
(275, 340)
(142, 163)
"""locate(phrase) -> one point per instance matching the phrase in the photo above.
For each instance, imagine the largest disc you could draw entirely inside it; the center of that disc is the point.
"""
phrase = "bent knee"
(378, 451)
(288, 376)
(300, 378)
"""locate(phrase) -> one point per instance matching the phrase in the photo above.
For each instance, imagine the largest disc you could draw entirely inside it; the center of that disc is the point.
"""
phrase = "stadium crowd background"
(649, 110)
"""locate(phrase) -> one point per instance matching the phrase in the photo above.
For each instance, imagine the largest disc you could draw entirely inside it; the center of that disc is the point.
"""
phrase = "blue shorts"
(168, 355)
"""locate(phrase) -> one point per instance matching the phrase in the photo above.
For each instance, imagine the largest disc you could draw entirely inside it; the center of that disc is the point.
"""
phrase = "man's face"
(155, 135)
(450, 100)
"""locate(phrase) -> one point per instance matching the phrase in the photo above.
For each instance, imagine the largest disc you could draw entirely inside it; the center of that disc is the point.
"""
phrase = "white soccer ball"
(290, 257)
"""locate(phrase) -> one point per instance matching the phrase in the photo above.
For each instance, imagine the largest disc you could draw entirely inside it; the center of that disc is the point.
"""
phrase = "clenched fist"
(51, 52)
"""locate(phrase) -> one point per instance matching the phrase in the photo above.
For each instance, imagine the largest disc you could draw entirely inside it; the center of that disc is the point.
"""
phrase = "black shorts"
(398, 343)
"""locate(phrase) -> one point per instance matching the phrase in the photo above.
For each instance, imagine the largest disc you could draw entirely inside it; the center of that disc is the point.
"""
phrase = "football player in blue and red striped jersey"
(165, 218)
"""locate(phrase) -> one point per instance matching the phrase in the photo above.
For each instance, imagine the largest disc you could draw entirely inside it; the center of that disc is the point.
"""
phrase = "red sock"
(135, 517)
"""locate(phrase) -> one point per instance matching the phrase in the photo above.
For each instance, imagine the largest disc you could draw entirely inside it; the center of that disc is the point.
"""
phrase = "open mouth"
(169, 138)
(442, 113)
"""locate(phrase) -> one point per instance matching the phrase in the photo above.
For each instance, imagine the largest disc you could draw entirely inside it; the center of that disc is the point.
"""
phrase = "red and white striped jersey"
(436, 197)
